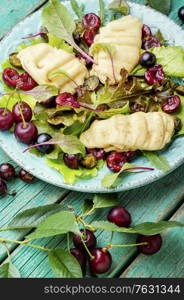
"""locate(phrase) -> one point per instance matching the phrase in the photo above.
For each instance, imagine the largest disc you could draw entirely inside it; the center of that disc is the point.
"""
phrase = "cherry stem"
(20, 109)
(108, 247)
(79, 219)
(89, 253)
(12, 194)
(26, 243)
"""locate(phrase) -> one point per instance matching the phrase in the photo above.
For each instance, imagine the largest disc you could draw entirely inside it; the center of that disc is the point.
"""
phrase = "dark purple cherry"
(6, 119)
(98, 153)
(154, 75)
(71, 161)
(154, 243)
(119, 216)
(101, 262)
(26, 82)
(88, 36)
(3, 189)
(151, 43)
(130, 155)
(25, 109)
(80, 256)
(146, 32)
(10, 77)
(181, 13)
(148, 59)
(25, 176)
(7, 171)
(115, 161)
(87, 61)
(42, 138)
(67, 99)
(172, 104)
(26, 132)
(91, 21)
(88, 237)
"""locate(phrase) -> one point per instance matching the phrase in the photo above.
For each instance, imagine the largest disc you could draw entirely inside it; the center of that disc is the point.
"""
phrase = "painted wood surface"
(159, 201)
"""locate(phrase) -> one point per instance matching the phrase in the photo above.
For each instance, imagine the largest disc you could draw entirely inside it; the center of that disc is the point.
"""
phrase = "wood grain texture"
(12, 11)
(168, 262)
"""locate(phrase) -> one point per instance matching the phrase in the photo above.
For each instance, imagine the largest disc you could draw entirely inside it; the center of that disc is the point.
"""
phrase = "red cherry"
(146, 32)
(91, 21)
(115, 161)
(10, 77)
(154, 75)
(7, 171)
(119, 216)
(71, 161)
(67, 99)
(25, 109)
(172, 104)
(154, 243)
(88, 36)
(101, 262)
(26, 132)
(26, 82)
(89, 240)
(6, 119)
(25, 176)
(98, 153)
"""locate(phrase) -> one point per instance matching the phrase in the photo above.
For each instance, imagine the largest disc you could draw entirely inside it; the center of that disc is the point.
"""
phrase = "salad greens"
(66, 123)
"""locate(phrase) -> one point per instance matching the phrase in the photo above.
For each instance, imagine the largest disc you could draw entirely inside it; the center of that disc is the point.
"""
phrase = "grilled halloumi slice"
(139, 131)
(41, 59)
(125, 35)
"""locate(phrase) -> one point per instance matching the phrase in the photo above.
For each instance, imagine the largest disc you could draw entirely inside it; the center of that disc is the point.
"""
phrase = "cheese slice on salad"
(138, 131)
(41, 59)
(124, 38)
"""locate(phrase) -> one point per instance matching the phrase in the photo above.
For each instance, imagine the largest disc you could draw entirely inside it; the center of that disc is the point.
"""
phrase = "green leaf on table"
(78, 9)
(56, 224)
(64, 264)
(32, 217)
(164, 6)
(157, 161)
(8, 270)
(148, 228)
(59, 43)
(87, 206)
(102, 12)
(120, 6)
(105, 200)
(70, 175)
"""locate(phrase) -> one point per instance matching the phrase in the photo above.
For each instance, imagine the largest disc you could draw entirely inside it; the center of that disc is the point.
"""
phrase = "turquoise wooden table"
(162, 200)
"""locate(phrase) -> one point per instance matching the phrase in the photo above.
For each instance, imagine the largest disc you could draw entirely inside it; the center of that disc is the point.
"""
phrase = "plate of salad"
(92, 96)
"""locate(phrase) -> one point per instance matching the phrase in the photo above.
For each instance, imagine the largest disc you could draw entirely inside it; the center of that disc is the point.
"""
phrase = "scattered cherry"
(25, 109)
(147, 59)
(91, 21)
(3, 189)
(181, 13)
(67, 99)
(89, 240)
(115, 161)
(98, 153)
(119, 216)
(6, 119)
(151, 43)
(26, 82)
(88, 36)
(172, 104)
(146, 32)
(7, 171)
(71, 161)
(26, 132)
(42, 138)
(25, 176)
(154, 243)
(154, 75)
(10, 77)
(101, 262)
(80, 256)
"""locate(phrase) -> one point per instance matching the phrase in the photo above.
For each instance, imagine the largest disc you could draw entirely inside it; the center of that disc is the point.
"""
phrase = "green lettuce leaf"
(78, 9)
(180, 115)
(114, 111)
(30, 42)
(171, 58)
(157, 161)
(120, 6)
(14, 99)
(59, 43)
(71, 175)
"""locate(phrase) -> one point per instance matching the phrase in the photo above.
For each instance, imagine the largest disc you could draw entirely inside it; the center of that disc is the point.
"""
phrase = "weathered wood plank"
(28, 195)
(12, 11)
(151, 203)
(168, 262)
